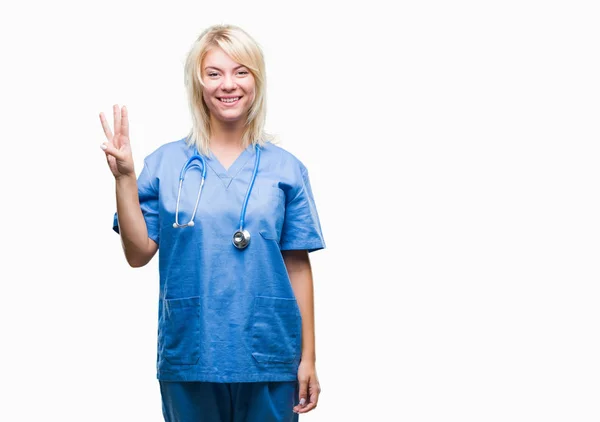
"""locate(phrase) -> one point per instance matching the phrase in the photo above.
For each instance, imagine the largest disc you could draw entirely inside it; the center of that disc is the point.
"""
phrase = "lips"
(228, 101)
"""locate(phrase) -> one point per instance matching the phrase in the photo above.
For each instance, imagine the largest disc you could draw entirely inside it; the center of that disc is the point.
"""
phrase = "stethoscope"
(241, 237)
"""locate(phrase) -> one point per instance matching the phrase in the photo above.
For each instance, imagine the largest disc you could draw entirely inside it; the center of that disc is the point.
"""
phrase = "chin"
(230, 118)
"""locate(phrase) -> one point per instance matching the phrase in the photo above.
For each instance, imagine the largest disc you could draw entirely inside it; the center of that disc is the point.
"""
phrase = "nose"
(228, 83)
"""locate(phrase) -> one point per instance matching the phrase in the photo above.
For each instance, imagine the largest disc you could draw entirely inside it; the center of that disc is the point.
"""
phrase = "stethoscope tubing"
(241, 237)
(243, 212)
(184, 169)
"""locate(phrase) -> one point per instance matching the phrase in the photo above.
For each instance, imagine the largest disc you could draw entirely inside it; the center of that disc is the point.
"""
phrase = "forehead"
(216, 57)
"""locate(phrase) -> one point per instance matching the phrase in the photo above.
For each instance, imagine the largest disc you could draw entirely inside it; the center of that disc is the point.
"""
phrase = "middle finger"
(117, 114)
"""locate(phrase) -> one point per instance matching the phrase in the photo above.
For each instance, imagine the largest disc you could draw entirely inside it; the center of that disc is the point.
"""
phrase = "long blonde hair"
(243, 49)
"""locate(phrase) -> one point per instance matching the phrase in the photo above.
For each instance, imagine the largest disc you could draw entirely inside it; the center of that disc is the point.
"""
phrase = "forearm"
(132, 226)
(300, 273)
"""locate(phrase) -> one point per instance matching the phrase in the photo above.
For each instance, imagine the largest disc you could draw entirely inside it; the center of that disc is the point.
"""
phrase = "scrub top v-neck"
(227, 175)
(228, 315)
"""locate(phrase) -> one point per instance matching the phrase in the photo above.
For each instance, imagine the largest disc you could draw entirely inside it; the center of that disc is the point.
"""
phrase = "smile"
(229, 101)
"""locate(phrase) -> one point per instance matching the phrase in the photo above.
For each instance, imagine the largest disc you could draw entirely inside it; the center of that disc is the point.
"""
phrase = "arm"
(138, 247)
(131, 225)
(299, 270)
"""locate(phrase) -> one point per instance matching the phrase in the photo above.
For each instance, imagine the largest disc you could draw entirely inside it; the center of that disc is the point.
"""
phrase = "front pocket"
(276, 330)
(181, 331)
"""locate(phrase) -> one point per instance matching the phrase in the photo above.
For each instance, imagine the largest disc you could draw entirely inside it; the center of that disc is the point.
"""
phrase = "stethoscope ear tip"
(190, 224)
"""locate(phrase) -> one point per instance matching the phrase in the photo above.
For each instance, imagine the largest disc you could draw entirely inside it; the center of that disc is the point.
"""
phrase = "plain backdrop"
(453, 153)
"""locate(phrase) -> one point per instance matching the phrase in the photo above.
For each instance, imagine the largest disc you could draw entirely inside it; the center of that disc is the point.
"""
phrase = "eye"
(211, 74)
(243, 72)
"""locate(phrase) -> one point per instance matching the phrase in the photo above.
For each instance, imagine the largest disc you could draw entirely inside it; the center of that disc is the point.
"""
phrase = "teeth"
(230, 100)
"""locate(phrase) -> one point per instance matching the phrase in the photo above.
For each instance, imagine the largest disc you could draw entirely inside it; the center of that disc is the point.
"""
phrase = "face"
(229, 87)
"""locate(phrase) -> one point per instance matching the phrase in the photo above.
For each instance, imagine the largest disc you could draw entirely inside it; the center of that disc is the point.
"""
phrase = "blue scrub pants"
(229, 402)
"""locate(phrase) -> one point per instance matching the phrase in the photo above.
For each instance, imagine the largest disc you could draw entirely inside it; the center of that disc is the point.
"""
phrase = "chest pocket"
(272, 212)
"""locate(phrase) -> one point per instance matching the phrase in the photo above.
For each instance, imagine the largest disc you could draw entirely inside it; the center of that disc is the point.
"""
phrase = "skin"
(300, 272)
(137, 246)
(222, 76)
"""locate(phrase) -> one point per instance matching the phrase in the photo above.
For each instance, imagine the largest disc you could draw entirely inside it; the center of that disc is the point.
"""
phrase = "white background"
(453, 152)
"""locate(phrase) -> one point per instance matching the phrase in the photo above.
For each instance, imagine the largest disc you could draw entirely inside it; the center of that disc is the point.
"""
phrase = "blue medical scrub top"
(225, 314)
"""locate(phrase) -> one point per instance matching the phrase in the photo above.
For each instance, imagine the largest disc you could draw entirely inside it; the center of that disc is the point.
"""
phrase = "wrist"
(126, 178)
(308, 357)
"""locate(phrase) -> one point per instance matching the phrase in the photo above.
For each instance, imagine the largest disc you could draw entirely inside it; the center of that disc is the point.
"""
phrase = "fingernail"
(302, 401)
(103, 146)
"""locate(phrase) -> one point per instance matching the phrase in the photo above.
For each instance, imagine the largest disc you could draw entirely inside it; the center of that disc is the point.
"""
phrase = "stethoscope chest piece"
(241, 239)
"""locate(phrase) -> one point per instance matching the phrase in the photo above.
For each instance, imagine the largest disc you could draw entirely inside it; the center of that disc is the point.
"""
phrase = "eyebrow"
(213, 67)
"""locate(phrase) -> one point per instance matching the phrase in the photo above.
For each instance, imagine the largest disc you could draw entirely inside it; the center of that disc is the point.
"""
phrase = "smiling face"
(229, 87)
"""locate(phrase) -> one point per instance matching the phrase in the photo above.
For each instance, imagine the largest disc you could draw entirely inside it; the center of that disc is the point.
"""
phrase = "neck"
(226, 135)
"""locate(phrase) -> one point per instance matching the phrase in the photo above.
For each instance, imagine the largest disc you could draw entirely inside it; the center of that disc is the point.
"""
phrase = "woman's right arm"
(138, 247)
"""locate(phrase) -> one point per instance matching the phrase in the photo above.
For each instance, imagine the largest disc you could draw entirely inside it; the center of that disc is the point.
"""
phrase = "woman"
(234, 225)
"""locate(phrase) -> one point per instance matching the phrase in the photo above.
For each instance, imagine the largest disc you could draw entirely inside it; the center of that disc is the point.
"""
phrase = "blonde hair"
(242, 48)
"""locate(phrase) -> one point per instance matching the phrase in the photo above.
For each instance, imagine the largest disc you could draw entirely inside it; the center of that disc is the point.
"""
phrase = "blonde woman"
(234, 217)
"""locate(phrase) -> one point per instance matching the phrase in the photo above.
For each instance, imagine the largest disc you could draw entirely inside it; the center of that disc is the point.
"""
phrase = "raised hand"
(117, 147)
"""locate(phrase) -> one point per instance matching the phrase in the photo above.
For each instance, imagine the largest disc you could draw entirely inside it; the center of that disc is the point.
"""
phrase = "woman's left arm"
(300, 273)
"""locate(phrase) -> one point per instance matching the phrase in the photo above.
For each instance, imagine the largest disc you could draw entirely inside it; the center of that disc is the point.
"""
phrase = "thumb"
(303, 393)
(111, 150)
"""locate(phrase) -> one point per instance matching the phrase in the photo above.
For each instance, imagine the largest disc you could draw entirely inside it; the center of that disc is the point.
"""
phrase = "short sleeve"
(148, 196)
(301, 226)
